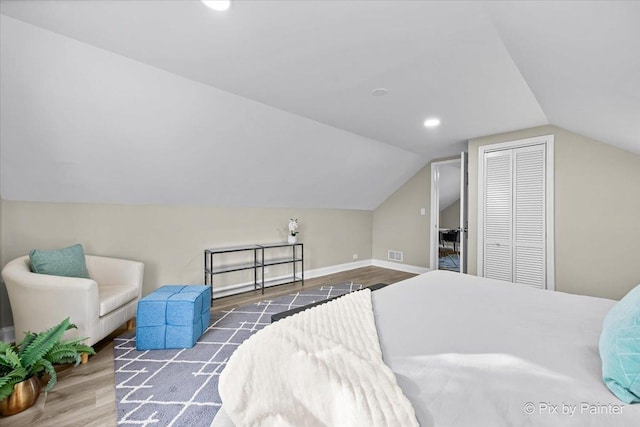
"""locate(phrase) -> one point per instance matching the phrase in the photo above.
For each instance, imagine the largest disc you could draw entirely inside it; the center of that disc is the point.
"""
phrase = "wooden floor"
(85, 395)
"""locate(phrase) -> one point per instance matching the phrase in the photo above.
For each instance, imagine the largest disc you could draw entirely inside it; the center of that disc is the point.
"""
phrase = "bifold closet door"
(498, 215)
(514, 215)
(529, 215)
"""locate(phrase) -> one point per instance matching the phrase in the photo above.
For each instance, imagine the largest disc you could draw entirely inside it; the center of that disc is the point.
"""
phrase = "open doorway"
(448, 215)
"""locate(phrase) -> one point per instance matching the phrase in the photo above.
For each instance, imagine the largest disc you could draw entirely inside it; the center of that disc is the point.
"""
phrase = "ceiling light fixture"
(431, 123)
(380, 92)
(219, 5)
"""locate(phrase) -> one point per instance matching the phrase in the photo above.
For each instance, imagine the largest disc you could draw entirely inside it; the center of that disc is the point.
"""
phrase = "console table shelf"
(261, 259)
(230, 268)
(281, 261)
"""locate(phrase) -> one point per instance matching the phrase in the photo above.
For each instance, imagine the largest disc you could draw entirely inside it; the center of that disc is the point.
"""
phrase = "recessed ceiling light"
(380, 92)
(431, 123)
(218, 4)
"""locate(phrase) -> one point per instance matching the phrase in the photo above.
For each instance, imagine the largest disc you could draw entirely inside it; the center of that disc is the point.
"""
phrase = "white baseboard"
(324, 271)
(399, 266)
(309, 274)
(7, 334)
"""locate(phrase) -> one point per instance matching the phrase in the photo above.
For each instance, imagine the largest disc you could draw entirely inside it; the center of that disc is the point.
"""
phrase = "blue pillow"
(620, 348)
(68, 262)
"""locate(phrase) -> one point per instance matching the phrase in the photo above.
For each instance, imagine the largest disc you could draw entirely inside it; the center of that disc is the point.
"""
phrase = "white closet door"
(498, 215)
(515, 212)
(529, 215)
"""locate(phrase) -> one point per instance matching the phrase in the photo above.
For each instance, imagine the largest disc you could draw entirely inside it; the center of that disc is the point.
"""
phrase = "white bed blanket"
(469, 351)
(320, 367)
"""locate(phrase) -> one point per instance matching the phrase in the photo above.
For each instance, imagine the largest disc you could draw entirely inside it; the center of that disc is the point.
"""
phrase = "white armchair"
(97, 306)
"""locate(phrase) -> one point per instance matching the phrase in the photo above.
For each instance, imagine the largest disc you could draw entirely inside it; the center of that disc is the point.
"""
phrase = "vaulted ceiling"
(481, 67)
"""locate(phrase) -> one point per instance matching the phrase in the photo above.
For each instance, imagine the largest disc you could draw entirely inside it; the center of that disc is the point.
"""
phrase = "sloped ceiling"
(482, 68)
(448, 185)
(582, 62)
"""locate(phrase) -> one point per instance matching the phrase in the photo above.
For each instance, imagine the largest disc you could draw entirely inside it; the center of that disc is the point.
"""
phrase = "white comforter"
(475, 352)
(321, 367)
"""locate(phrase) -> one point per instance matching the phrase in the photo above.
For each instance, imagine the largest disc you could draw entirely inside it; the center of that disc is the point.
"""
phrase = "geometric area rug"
(179, 387)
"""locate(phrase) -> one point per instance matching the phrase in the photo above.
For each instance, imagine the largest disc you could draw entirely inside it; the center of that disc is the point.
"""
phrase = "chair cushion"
(68, 262)
(114, 297)
(620, 348)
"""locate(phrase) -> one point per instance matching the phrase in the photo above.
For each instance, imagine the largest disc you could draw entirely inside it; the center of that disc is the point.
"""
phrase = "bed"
(463, 350)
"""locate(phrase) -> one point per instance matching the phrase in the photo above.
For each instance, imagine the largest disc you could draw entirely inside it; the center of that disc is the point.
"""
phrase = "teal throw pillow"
(620, 348)
(67, 262)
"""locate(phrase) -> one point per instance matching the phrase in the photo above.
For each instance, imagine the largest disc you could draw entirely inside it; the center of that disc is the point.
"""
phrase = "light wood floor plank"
(85, 395)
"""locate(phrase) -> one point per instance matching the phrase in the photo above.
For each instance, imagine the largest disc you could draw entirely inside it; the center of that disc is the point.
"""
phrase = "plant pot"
(25, 394)
(292, 239)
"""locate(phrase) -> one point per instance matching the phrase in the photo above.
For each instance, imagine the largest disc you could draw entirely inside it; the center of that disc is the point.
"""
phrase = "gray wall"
(450, 216)
(398, 225)
(170, 239)
(5, 309)
(597, 206)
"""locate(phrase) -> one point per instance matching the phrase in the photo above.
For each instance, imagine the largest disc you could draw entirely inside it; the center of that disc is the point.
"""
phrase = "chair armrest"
(115, 271)
(38, 298)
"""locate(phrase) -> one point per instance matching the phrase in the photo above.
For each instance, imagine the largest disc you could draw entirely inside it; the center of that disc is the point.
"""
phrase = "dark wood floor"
(85, 395)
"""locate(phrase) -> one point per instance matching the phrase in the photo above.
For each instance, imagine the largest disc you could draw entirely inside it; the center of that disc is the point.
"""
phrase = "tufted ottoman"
(172, 316)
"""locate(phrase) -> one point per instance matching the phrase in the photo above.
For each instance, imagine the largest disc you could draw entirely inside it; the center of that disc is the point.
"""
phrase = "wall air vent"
(394, 256)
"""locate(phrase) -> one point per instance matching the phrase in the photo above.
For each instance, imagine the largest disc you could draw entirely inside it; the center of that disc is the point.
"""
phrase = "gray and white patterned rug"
(180, 387)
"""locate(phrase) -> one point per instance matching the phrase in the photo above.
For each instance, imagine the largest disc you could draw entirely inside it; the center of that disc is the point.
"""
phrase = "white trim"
(308, 274)
(435, 210)
(548, 141)
(551, 215)
(464, 210)
(323, 271)
(7, 334)
(399, 266)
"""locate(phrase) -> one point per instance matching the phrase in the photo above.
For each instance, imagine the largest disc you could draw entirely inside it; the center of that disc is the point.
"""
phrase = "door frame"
(435, 210)
(548, 142)
(464, 212)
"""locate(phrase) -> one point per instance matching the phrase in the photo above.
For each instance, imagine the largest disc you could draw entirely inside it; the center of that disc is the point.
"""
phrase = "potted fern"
(22, 366)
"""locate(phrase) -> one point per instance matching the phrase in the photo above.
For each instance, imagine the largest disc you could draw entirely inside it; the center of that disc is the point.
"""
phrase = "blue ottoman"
(172, 316)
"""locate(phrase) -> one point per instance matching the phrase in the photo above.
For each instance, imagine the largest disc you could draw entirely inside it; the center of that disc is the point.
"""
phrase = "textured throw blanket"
(320, 367)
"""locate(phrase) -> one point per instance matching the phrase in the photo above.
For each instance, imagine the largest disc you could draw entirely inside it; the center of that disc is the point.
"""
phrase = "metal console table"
(261, 259)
